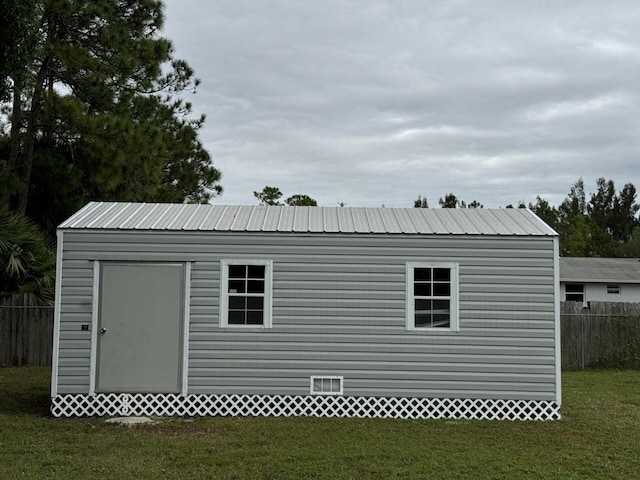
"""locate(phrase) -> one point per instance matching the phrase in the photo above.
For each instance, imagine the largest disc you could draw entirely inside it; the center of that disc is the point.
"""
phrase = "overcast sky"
(373, 103)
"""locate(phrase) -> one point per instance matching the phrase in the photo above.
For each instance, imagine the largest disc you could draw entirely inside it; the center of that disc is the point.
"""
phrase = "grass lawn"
(599, 437)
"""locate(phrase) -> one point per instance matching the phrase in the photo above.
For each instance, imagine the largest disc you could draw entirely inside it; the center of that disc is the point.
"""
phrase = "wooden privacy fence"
(604, 335)
(26, 331)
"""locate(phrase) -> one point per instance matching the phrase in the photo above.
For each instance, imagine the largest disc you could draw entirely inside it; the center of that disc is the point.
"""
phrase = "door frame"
(95, 313)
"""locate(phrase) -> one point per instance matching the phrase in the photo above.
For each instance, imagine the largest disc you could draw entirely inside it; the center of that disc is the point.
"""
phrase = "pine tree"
(96, 109)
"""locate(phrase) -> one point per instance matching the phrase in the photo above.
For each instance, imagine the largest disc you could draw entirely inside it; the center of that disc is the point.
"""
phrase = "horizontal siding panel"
(73, 349)
(204, 301)
(75, 335)
(204, 310)
(74, 291)
(78, 383)
(513, 325)
(304, 276)
(330, 295)
(288, 287)
(434, 386)
(364, 303)
(70, 308)
(507, 289)
(468, 313)
(300, 250)
(420, 343)
(77, 281)
(488, 242)
(204, 321)
(509, 332)
(496, 364)
(497, 280)
(199, 275)
(74, 362)
(71, 318)
(354, 311)
(393, 373)
(74, 327)
(372, 367)
(496, 297)
(515, 308)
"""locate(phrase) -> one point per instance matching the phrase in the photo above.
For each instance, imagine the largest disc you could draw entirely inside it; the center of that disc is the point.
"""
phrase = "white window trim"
(224, 295)
(326, 377)
(410, 308)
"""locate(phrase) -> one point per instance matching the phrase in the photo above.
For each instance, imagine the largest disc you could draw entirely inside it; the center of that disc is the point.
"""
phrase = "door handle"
(103, 330)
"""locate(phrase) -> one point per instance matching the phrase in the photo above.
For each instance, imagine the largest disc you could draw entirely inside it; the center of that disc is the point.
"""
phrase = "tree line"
(605, 224)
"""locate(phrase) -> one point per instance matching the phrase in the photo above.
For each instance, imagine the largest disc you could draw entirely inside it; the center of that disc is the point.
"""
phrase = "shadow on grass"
(25, 391)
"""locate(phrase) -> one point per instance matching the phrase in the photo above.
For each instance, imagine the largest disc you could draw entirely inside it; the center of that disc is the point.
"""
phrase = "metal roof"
(234, 218)
(599, 270)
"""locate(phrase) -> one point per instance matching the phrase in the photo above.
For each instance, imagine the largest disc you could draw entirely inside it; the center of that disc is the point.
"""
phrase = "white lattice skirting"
(124, 404)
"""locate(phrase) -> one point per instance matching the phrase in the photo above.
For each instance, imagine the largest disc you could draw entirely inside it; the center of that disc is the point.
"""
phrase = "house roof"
(599, 270)
(234, 218)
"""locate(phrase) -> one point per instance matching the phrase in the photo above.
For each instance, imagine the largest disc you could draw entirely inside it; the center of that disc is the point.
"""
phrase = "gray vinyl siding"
(339, 309)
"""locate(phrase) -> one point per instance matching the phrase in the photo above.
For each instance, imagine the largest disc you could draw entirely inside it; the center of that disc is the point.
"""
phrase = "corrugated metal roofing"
(234, 218)
(599, 270)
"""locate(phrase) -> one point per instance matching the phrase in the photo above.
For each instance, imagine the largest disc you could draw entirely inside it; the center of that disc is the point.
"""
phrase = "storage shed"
(166, 309)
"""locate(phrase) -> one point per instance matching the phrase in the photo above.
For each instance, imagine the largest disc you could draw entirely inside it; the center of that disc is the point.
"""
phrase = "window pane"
(573, 288)
(254, 317)
(441, 274)
(236, 317)
(317, 384)
(423, 305)
(441, 289)
(237, 303)
(237, 271)
(255, 286)
(335, 385)
(574, 297)
(423, 320)
(256, 271)
(441, 306)
(422, 289)
(255, 303)
(422, 274)
(236, 286)
(440, 320)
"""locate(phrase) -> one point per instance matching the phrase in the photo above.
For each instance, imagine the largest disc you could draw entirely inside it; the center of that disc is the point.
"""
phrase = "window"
(326, 385)
(613, 289)
(245, 293)
(574, 292)
(432, 296)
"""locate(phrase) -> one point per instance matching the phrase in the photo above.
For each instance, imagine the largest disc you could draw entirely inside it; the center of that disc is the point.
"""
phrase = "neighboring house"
(168, 309)
(599, 280)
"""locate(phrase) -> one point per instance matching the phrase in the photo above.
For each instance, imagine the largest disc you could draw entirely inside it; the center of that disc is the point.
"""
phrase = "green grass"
(599, 437)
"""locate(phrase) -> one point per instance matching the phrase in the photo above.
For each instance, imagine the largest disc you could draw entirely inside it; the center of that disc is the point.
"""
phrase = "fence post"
(583, 345)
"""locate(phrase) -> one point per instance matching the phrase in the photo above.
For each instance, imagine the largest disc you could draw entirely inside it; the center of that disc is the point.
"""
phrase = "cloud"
(375, 102)
(586, 106)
